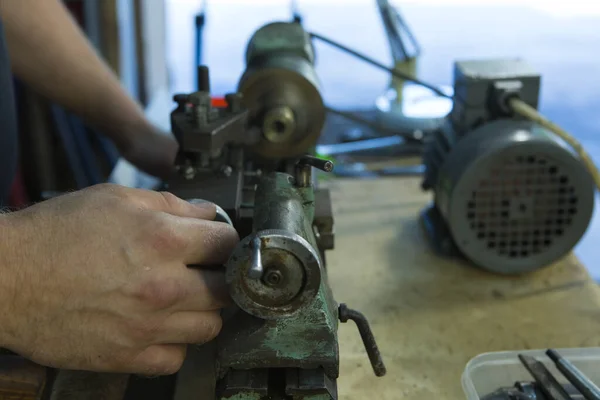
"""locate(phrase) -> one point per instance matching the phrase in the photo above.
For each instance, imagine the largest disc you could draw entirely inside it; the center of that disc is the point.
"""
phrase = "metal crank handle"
(366, 335)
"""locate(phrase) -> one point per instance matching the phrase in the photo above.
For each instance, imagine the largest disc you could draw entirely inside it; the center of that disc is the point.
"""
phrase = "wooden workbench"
(431, 315)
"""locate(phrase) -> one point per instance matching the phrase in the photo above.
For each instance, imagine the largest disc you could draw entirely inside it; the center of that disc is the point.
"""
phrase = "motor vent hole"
(521, 206)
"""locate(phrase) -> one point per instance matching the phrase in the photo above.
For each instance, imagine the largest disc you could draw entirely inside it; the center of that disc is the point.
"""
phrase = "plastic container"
(490, 371)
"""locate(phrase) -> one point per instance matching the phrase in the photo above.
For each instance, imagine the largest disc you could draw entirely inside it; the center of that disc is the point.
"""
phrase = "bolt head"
(273, 278)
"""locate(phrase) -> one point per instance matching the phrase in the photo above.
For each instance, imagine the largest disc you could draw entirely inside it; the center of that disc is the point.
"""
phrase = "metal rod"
(203, 79)
(575, 376)
(200, 22)
(548, 383)
(367, 337)
(319, 163)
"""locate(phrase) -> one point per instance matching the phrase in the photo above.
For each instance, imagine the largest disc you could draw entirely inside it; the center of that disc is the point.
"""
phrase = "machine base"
(437, 233)
(277, 384)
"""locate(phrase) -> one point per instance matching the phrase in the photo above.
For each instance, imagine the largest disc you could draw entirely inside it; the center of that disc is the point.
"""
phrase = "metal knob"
(316, 162)
(303, 172)
(256, 267)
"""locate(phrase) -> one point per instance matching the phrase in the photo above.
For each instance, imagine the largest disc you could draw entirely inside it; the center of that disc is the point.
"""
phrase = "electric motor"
(512, 196)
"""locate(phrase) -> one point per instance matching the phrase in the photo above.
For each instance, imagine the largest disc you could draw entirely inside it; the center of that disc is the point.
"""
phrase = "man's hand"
(99, 280)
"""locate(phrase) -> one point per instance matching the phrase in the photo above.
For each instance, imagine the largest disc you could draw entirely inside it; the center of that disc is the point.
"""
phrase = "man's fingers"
(163, 359)
(208, 242)
(161, 201)
(191, 327)
(206, 291)
(171, 204)
(181, 289)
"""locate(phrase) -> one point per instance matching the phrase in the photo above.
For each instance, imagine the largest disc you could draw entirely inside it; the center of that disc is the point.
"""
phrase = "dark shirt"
(8, 124)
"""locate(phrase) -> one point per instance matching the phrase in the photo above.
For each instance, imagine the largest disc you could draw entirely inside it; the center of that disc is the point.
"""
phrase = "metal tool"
(547, 383)
(587, 388)
(546, 386)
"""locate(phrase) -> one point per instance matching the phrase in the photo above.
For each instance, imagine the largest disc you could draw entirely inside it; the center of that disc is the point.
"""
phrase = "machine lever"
(366, 334)
(256, 268)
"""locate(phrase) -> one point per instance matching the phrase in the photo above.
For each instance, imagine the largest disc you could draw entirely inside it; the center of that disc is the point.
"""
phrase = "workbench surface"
(432, 315)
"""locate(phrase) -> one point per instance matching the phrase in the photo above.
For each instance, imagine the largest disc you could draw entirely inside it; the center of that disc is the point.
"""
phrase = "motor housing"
(512, 196)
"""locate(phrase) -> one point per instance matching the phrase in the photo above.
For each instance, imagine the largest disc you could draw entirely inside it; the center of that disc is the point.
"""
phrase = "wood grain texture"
(432, 315)
(21, 379)
(83, 385)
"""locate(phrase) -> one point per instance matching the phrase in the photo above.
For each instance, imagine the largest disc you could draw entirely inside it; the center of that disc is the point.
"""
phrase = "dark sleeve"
(8, 124)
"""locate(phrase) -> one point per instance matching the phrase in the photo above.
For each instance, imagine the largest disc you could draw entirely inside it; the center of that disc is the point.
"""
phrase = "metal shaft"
(203, 79)
(586, 387)
(548, 383)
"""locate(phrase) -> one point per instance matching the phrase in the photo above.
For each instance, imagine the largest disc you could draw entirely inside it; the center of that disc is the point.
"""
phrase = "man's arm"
(50, 53)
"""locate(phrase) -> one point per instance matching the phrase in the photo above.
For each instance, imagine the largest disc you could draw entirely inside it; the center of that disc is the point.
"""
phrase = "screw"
(273, 278)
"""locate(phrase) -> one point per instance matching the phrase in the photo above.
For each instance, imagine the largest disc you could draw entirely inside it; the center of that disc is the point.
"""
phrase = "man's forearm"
(50, 53)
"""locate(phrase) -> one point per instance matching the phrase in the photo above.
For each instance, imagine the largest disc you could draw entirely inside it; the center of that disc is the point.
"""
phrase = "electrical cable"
(379, 65)
(525, 110)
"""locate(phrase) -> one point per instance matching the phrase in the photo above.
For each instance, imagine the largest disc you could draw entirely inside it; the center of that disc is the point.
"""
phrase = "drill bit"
(587, 389)
(548, 383)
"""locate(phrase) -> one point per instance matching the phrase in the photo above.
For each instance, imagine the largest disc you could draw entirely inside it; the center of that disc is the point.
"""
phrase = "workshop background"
(151, 43)
(556, 37)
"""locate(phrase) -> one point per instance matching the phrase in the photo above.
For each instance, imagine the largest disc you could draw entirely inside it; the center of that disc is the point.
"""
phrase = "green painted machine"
(280, 342)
